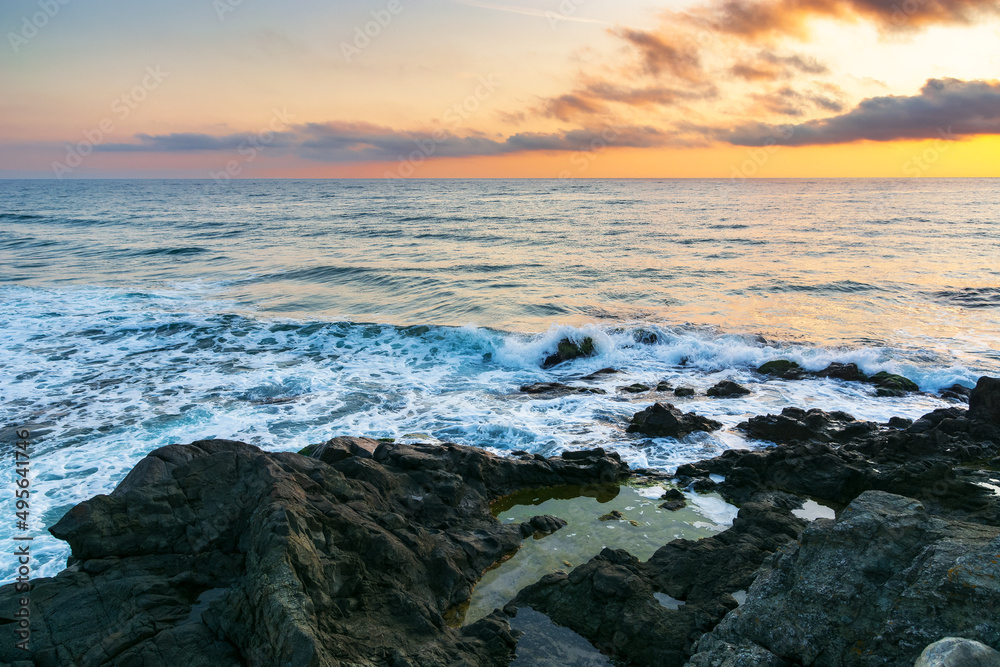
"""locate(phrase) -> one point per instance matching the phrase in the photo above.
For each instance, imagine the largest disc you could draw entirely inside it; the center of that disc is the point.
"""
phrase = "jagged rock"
(890, 384)
(681, 392)
(797, 425)
(783, 368)
(218, 553)
(956, 392)
(675, 500)
(611, 600)
(666, 421)
(875, 586)
(958, 652)
(727, 389)
(984, 401)
(848, 372)
(338, 449)
(567, 350)
(557, 389)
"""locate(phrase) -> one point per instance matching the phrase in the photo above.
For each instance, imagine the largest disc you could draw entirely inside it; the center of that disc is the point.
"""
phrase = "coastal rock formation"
(798, 425)
(876, 586)
(958, 652)
(727, 389)
(652, 613)
(567, 350)
(218, 553)
(555, 389)
(984, 401)
(666, 421)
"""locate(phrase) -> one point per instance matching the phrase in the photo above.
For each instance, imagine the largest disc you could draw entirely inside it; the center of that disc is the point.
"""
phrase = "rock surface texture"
(218, 553)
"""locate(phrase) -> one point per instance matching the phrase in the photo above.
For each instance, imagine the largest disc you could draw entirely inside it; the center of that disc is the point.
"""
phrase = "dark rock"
(984, 401)
(338, 449)
(220, 554)
(557, 389)
(875, 586)
(957, 392)
(782, 368)
(567, 350)
(681, 392)
(848, 372)
(727, 389)
(611, 600)
(893, 384)
(634, 388)
(675, 500)
(597, 375)
(644, 337)
(901, 423)
(666, 421)
(797, 425)
(613, 515)
(663, 386)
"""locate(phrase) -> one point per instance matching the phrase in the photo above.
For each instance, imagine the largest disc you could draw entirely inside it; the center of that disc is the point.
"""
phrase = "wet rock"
(875, 586)
(567, 350)
(644, 337)
(338, 449)
(798, 425)
(901, 423)
(782, 368)
(890, 384)
(958, 652)
(218, 554)
(663, 386)
(557, 389)
(598, 375)
(675, 500)
(637, 388)
(666, 421)
(611, 600)
(727, 389)
(681, 392)
(613, 515)
(957, 392)
(848, 372)
(984, 400)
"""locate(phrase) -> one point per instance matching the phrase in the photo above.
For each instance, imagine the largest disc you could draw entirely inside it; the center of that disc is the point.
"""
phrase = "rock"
(338, 449)
(797, 425)
(957, 392)
(681, 392)
(727, 389)
(644, 337)
(557, 389)
(675, 500)
(611, 599)
(848, 372)
(635, 388)
(890, 384)
(567, 350)
(901, 423)
(613, 515)
(958, 652)
(217, 554)
(874, 586)
(597, 375)
(782, 368)
(666, 421)
(663, 386)
(984, 401)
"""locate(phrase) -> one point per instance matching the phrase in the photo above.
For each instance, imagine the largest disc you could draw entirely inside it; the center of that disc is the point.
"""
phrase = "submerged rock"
(567, 350)
(847, 372)
(557, 389)
(681, 392)
(956, 392)
(666, 421)
(636, 388)
(675, 500)
(728, 389)
(875, 586)
(218, 553)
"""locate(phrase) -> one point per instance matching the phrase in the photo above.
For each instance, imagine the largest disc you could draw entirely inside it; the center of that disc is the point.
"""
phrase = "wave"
(971, 297)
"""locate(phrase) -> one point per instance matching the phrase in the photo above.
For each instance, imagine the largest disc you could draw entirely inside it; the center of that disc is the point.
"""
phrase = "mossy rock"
(885, 380)
(307, 450)
(778, 367)
(636, 388)
(568, 350)
(681, 392)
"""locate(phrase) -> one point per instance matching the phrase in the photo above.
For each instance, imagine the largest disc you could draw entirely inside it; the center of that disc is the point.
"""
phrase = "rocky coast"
(359, 552)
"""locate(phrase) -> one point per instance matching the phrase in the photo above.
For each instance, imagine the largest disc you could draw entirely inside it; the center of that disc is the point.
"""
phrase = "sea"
(139, 313)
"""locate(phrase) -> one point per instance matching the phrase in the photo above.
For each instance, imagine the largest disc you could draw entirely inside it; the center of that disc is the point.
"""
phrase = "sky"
(228, 89)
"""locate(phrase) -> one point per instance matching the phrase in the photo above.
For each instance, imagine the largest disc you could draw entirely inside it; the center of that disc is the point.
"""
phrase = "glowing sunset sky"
(469, 88)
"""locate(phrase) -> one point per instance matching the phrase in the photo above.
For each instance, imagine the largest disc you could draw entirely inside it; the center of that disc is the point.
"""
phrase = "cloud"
(595, 98)
(758, 18)
(659, 56)
(341, 142)
(947, 108)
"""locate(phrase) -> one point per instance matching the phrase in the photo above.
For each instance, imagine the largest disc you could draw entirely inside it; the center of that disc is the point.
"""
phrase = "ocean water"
(135, 314)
